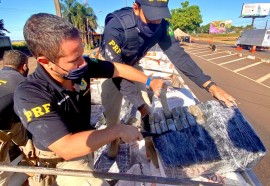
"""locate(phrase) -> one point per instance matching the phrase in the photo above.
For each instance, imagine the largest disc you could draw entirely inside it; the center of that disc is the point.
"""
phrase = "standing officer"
(11, 130)
(54, 102)
(129, 33)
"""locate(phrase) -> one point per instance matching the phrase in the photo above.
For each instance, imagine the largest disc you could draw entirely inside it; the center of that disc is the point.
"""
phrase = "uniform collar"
(46, 77)
(9, 68)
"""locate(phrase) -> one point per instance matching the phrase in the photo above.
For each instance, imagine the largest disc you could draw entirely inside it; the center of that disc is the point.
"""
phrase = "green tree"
(2, 28)
(204, 29)
(81, 16)
(188, 18)
(249, 27)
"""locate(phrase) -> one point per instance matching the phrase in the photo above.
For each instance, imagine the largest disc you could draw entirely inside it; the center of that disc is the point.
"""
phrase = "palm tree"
(67, 9)
(81, 16)
(2, 28)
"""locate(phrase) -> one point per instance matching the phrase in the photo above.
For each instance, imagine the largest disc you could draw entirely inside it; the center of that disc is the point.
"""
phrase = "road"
(245, 78)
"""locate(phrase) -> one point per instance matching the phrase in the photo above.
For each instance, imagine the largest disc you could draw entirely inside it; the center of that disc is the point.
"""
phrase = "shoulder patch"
(95, 60)
(114, 46)
(170, 30)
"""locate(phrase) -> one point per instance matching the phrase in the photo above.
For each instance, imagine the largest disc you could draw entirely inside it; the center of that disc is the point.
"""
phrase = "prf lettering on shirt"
(114, 46)
(37, 111)
(2, 82)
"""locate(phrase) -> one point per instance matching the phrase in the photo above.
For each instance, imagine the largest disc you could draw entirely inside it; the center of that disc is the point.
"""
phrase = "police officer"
(129, 33)
(54, 102)
(15, 69)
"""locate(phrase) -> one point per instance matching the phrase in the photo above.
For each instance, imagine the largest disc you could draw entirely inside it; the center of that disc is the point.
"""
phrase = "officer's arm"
(112, 41)
(83, 143)
(187, 66)
(181, 60)
(132, 74)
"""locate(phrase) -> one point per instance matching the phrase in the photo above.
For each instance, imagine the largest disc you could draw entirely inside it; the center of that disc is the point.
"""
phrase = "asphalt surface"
(222, 46)
(239, 78)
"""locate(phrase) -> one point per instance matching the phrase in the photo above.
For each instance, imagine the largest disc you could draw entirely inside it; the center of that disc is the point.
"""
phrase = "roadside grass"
(21, 45)
(220, 38)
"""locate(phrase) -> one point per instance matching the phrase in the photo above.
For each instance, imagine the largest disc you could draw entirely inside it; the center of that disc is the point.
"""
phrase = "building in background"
(219, 27)
(96, 39)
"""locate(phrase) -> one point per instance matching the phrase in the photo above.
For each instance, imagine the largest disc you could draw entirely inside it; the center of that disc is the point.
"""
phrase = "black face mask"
(76, 73)
(147, 29)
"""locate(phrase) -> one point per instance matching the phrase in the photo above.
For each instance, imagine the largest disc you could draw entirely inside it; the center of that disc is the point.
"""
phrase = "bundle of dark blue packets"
(207, 138)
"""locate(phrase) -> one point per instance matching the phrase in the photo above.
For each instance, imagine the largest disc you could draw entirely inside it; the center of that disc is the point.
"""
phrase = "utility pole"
(57, 8)
(252, 24)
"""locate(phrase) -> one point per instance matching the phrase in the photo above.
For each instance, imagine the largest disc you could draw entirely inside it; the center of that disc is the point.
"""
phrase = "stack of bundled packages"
(203, 138)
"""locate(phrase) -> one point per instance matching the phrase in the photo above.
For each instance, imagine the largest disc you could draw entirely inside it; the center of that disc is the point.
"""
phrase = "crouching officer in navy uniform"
(129, 33)
(12, 132)
(54, 102)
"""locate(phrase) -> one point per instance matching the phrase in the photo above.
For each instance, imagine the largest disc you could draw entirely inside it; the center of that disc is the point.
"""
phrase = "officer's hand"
(157, 85)
(130, 134)
(145, 110)
(222, 96)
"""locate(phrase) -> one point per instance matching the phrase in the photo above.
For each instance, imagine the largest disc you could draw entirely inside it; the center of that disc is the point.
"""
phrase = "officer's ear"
(44, 62)
(25, 67)
(136, 9)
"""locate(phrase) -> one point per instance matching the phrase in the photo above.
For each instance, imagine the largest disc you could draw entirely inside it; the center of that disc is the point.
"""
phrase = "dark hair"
(139, 5)
(44, 34)
(14, 58)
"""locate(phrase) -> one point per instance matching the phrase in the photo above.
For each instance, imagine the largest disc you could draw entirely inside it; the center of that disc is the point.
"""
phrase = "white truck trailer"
(259, 38)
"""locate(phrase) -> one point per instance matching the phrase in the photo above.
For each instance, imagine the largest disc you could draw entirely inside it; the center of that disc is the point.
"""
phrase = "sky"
(16, 12)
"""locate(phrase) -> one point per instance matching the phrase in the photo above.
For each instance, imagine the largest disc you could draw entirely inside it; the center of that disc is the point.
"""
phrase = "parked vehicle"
(5, 44)
(259, 38)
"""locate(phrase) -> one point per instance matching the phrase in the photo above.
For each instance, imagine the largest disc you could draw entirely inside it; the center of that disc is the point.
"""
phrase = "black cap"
(155, 9)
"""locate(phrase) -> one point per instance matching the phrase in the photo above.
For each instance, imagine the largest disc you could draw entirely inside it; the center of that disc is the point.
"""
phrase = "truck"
(5, 44)
(259, 38)
(154, 63)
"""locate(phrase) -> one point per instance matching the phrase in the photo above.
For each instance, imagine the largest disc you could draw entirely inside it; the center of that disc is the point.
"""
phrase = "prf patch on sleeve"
(170, 30)
(37, 111)
(113, 45)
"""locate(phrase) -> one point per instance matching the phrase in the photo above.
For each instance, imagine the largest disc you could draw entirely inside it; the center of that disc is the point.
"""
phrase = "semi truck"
(259, 38)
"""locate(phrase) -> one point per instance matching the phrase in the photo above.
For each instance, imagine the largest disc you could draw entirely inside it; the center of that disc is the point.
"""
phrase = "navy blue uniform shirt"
(9, 79)
(114, 41)
(50, 111)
